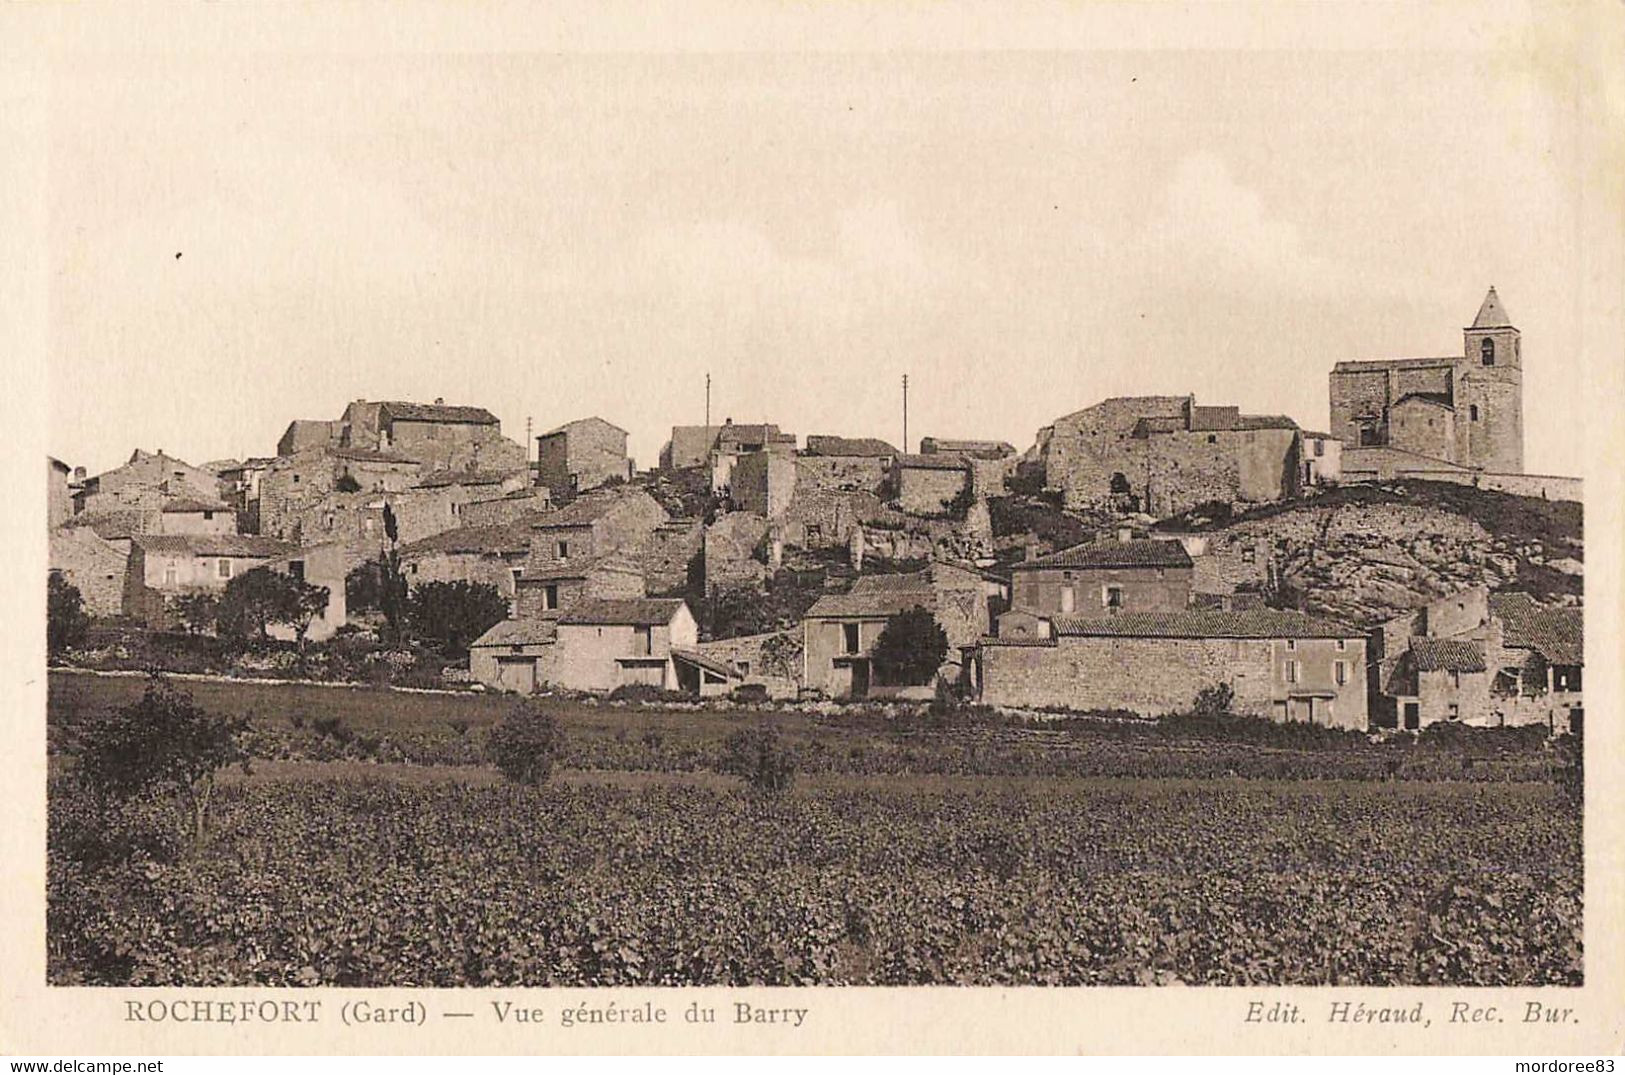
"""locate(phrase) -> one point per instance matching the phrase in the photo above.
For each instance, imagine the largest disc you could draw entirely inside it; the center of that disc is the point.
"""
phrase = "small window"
(1291, 644)
(224, 568)
(1248, 555)
(1212, 438)
(1455, 680)
(550, 597)
(1340, 672)
(1472, 412)
(208, 516)
(744, 667)
(1320, 447)
(850, 637)
(1454, 712)
(170, 576)
(1114, 597)
(642, 641)
(564, 550)
(296, 479)
(1487, 351)
(1292, 671)
(296, 568)
(515, 573)
(1342, 644)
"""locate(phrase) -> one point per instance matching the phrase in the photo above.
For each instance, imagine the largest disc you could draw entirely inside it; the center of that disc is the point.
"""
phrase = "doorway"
(1413, 716)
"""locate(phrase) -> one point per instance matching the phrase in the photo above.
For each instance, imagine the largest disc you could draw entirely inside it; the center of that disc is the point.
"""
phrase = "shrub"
(256, 599)
(910, 649)
(66, 620)
(645, 693)
(525, 745)
(1214, 701)
(163, 743)
(197, 612)
(750, 693)
(761, 758)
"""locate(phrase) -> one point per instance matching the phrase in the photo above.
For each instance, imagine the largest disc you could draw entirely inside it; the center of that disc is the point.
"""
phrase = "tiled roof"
(1265, 421)
(1207, 419)
(585, 510)
(1438, 399)
(864, 447)
(749, 435)
(1368, 365)
(1136, 552)
(578, 567)
(442, 478)
(1446, 655)
(188, 506)
(988, 449)
(624, 611)
(506, 538)
(237, 545)
(932, 461)
(436, 412)
(369, 455)
(911, 582)
(1315, 434)
(573, 423)
(1252, 623)
(710, 664)
(519, 633)
(111, 525)
(872, 604)
(1557, 634)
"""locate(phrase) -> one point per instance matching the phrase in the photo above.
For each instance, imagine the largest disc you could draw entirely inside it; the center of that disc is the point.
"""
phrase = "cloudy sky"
(552, 236)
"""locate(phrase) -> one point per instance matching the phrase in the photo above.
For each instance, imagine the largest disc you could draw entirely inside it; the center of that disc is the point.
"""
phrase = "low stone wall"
(1542, 486)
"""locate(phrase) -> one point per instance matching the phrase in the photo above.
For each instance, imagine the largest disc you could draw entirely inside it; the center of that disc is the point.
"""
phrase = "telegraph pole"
(905, 414)
(707, 401)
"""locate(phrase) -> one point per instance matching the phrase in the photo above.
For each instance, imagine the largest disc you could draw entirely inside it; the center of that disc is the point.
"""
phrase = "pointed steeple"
(1491, 315)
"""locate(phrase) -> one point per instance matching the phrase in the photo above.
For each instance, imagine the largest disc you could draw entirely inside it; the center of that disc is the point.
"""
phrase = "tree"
(164, 744)
(392, 595)
(454, 614)
(257, 599)
(197, 611)
(66, 621)
(910, 648)
(347, 484)
(1214, 701)
(525, 745)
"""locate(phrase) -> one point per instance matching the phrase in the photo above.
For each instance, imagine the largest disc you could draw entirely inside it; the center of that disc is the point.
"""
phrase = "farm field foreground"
(353, 873)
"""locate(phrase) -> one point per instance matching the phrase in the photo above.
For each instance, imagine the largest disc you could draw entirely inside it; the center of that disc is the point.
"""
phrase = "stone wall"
(582, 455)
(1544, 486)
(764, 483)
(929, 490)
(91, 565)
(839, 474)
(1143, 589)
(666, 554)
(1424, 427)
(456, 446)
(499, 511)
(773, 660)
(730, 546)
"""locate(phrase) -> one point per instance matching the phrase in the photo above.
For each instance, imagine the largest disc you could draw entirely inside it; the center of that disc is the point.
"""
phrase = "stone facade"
(495, 511)
(730, 546)
(667, 554)
(306, 433)
(94, 566)
(598, 524)
(837, 474)
(163, 567)
(606, 644)
(581, 455)
(929, 484)
(58, 492)
(550, 587)
(690, 446)
(1465, 410)
(772, 660)
(1280, 665)
(197, 517)
(436, 435)
(764, 483)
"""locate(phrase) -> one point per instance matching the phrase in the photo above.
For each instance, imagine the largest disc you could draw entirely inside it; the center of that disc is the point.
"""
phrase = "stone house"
(844, 465)
(325, 564)
(1418, 414)
(240, 487)
(595, 525)
(193, 516)
(144, 483)
(1116, 573)
(1322, 459)
(733, 552)
(549, 587)
(494, 555)
(668, 554)
(734, 442)
(507, 508)
(838, 635)
(58, 492)
(764, 483)
(117, 528)
(689, 446)
(607, 643)
(929, 484)
(990, 449)
(581, 455)
(772, 660)
(1165, 454)
(162, 567)
(513, 654)
(1284, 665)
(306, 433)
(1482, 659)
(437, 435)
(92, 565)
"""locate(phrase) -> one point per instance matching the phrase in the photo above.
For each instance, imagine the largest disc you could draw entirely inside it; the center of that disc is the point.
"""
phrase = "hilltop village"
(1396, 570)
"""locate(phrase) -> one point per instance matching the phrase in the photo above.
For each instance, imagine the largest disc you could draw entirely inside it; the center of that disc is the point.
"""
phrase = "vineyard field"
(368, 882)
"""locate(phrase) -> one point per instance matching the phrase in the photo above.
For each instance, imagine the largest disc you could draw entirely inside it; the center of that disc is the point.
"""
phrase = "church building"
(1461, 412)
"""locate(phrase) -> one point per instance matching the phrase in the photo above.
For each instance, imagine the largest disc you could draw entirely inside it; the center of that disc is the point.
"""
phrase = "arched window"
(1472, 412)
(1487, 349)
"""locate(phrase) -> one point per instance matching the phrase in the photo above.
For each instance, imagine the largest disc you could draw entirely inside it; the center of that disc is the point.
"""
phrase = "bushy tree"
(257, 599)
(910, 648)
(454, 614)
(392, 596)
(164, 744)
(525, 744)
(197, 612)
(66, 621)
(761, 758)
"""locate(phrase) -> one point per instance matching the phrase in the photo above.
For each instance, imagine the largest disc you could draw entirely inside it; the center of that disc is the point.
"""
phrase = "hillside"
(1368, 553)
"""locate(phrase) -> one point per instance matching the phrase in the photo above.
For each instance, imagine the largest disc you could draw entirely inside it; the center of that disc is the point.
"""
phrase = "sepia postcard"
(1086, 528)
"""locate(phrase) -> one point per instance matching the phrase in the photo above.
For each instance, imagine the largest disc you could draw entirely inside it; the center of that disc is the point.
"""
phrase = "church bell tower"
(1489, 393)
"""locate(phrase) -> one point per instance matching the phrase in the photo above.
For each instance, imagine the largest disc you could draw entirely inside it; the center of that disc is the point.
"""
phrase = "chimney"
(440, 401)
(1125, 534)
(78, 474)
